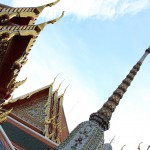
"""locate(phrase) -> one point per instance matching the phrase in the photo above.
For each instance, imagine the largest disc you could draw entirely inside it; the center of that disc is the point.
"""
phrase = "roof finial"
(40, 8)
(65, 90)
(54, 80)
(139, 146)
(7, 13)
(123, 147)
(42, 25)
(52, 4)
(103, 116)
(112, 140)
(60, 85)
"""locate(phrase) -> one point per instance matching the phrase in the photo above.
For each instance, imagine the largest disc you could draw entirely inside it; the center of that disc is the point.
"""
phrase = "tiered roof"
(17, 35)
(15, 43)
(42, 111)
(21, 15)
(36, 114)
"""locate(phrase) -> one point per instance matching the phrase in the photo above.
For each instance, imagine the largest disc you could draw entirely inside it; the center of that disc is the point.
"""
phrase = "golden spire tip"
(54, 79)
(52, 4)
(55, 20)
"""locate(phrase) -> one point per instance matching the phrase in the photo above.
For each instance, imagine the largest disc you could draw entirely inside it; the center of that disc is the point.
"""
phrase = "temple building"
(41, 118)
(36, 120)
(39, 114)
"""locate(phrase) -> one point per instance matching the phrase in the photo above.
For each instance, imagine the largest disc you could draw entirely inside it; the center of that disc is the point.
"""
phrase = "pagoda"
(36, 120)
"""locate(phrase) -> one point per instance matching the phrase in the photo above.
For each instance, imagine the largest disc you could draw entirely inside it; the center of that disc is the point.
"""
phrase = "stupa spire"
(90, 134)
(103, 115)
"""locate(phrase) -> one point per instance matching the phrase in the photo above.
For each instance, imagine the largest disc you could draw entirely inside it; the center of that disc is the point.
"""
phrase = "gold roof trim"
(28, 95)
(139, 146)
(9, 31)
(9, 12)
(53, 110)
(3, 114)
(40, 8)
(42, 25)
(15, 84)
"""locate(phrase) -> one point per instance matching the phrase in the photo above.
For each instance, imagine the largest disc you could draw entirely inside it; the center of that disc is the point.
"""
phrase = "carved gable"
(32, 112)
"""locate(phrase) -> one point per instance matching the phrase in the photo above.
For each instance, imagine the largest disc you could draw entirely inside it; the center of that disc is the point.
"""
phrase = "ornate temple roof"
(21, 15)
(17, 36)
(12, 38)
(42, 111)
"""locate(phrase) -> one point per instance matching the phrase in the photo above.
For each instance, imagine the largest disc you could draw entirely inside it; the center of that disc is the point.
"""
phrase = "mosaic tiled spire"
(89, 135)
(103, 116)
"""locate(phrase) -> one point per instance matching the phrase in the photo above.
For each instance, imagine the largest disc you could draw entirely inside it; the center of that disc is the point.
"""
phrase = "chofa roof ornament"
(7, 13)
(8, 32)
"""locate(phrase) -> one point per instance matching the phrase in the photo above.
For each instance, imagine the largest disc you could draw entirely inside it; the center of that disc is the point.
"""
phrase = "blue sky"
(93, 47)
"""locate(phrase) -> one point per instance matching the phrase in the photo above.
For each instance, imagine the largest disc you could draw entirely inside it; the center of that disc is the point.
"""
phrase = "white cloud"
(103, 9)
(133, 7)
